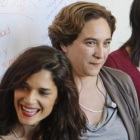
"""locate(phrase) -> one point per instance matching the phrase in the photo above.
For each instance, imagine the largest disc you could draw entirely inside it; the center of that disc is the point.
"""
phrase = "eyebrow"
(24, 83)
(44, 89)
(94, 39)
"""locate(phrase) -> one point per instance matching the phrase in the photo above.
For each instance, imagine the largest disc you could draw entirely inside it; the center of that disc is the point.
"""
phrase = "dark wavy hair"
(66, 121)
(70, 21)
(134, 41)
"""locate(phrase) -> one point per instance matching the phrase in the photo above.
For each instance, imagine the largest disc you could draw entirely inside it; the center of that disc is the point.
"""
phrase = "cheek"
(54, 101)
(17, 97)
(48, 103)
(108, 49)
(47, 107)
(106, 52)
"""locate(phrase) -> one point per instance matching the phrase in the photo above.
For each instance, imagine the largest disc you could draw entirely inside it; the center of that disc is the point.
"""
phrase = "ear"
(64, 48)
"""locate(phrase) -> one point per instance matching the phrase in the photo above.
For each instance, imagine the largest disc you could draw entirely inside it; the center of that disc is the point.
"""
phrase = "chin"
(95, 73)
(28, 123)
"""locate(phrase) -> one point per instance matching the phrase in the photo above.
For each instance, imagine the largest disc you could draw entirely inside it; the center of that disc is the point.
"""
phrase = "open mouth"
(29, 112)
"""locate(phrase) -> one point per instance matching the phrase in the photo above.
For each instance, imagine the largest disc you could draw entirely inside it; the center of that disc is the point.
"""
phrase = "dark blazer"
(121, 90)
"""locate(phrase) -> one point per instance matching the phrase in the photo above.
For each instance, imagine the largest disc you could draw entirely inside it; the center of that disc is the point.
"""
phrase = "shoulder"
(118, 74)
(120, 78)
(1, 138)
(7, 137)
(123, 83)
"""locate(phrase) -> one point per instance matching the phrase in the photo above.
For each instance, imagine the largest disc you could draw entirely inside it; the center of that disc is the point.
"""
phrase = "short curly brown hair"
(71, 20)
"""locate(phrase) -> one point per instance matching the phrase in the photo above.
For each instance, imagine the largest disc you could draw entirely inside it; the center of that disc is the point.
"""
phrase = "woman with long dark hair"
(38, 98)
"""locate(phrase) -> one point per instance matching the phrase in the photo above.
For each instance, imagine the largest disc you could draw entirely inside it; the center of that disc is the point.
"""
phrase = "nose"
(30, 98)
(99, 52)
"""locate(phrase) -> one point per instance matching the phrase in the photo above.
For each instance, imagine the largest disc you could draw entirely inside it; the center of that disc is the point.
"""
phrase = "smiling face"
(90, 50)
(35, 99)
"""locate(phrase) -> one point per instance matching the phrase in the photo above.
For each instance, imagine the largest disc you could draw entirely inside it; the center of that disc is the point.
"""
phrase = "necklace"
(15, 134)
(93, 111)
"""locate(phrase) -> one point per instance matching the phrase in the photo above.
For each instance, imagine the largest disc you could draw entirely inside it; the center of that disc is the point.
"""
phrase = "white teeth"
(30, 111)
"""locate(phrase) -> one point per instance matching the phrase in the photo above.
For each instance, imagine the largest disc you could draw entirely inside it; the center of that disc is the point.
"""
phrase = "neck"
(24, 131)
(128, 49)
(84, 82)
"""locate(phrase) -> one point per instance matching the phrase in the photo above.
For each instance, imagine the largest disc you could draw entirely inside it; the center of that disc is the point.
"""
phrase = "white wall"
(24, 23)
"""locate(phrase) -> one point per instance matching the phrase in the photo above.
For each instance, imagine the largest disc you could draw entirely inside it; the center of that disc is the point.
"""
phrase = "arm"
(136, 120)
(110, 62)
(128, 92)
(132, 102)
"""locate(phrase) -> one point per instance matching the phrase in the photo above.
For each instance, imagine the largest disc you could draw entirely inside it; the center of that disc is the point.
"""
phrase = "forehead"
(42, 78)
(97, 28)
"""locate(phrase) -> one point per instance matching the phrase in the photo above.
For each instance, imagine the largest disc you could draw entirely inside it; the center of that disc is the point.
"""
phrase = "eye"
(43, 93)
(107, 43)
(23, 87)
(91, 43)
